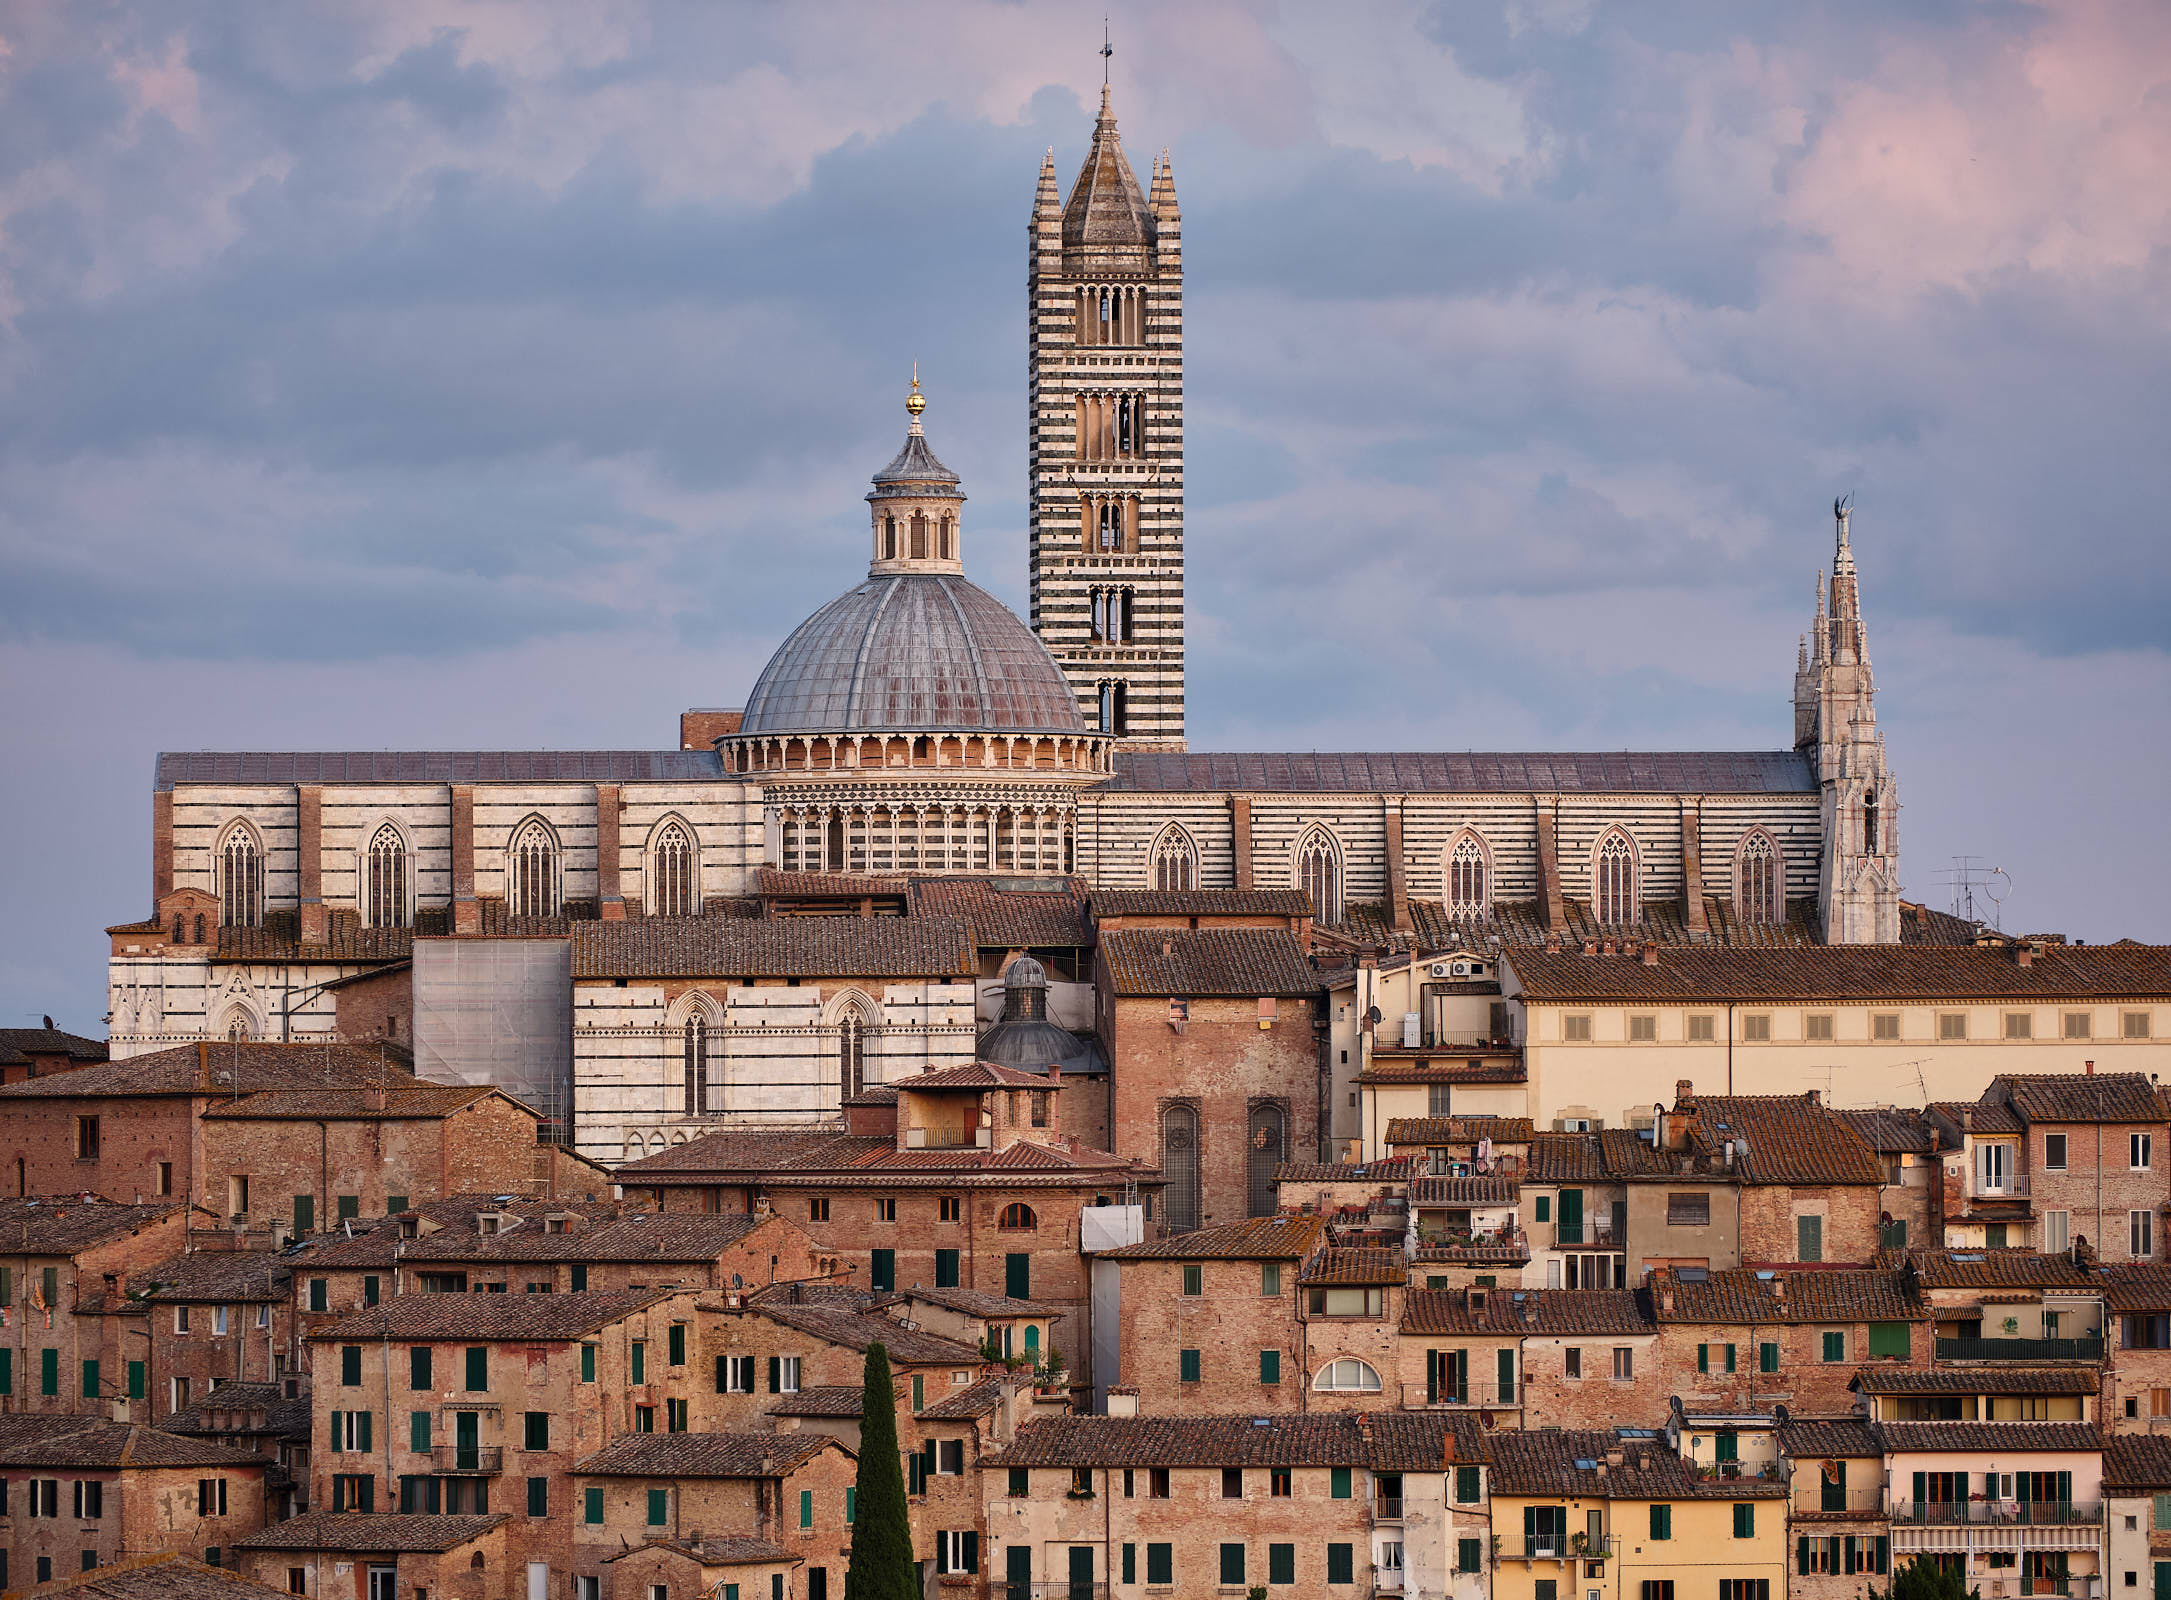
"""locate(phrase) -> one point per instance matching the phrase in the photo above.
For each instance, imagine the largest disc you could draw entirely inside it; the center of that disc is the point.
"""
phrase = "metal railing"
(1586, 1236)
(1416, 1398)
(1998, 1513)
(1558, 1547)
(467, 1458)
(2013, 1187)
(1387, 1507)
(1738, 1471)
(1054, 1589)
(1977, 1349)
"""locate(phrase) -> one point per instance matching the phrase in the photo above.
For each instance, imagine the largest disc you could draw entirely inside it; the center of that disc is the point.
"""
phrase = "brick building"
(1191, 1506)
(329, 1555)
(1531, 1358)
(2137, 1388)
(73, 1337)
(1838, 1527)
(166, 1576)
(27, 1053)
(270, 1420)
(2010, 1306)
(998, 1211)
(2047, 1161)
(214, 1317)
(128, 1129)
(465, 1403)
(83, 1491)
(1749, 1340)
(1910, 1200)
(1207, 1322)
(791, 1491)
(722, 1566)
(1215, 1042)
(316, 1158)
(1809, 1182)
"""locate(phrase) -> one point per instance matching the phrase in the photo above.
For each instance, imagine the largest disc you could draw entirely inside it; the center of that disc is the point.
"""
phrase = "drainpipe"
(1729, 1049)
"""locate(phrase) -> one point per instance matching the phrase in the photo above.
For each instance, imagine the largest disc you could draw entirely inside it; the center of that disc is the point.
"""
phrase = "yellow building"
(1619, 1515)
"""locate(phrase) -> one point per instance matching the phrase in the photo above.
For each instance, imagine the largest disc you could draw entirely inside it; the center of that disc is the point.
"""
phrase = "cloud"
(385, 375)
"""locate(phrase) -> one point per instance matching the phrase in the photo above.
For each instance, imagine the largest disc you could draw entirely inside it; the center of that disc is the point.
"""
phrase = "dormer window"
(558, 1224)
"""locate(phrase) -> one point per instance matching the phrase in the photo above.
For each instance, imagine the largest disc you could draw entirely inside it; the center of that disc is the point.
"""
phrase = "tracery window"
(695, 1044)
(672, 864)
(237, 1026)
(532, 871)
(1319, 874)
(1759, 880)
(1613, 879)
(1468, 882)
(384, 890)
(1180, 1167)
(851, 1054)
(1175, 860)
(1869, 822)
(1111, 525)
(241, 879)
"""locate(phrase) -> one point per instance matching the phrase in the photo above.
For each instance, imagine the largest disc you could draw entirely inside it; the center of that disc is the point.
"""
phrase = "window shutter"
(1729, 1358)
(972, 1551)
(721, 1372)
(1801, 1555)
(1767, 1356)
(1432, 1377)
(1530, 1526)
(1884, 1553)
(364, 1417)
(942, 1553)
(1852, 1564)
(776, 1375)
(1703, 1358)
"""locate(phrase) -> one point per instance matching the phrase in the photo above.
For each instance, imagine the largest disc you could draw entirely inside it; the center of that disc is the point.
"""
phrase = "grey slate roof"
(434, 766)
(1606, 772)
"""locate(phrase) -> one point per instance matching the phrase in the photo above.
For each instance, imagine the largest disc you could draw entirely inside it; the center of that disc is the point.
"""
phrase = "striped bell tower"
(1104, 283)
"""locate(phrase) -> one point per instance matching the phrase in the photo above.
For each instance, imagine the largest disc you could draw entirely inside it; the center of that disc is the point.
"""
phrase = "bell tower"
(1835, 726)
(1104, 289)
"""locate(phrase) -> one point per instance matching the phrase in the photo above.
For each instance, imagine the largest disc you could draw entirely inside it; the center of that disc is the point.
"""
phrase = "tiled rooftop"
(1458, 1130)
(222, 1067)
(856, 1330)
(371, 1533)
(2137, 1463)
(1355, 1267)
(165, 1576)
(1535, 1311)
(1742, 1296)
(1977, 1380)
(1994, 1269)
(1180, 962)
(216, 1276)
(820, 947)
(1277, 1238)
(2114, 1097)
(1805, 1438)
(1784, 1139)
(1970, 1438)
(1822, 972)
(703, 1455)
(421, 1103)
(1282, 1439)
(1488, 1189)
(1201, 903)
(1004, 917)
(1556, 1464)
(1664, 773)
(491, 1316)
(115, 1445)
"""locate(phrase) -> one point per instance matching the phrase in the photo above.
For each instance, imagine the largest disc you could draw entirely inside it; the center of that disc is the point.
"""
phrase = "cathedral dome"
(912, 651)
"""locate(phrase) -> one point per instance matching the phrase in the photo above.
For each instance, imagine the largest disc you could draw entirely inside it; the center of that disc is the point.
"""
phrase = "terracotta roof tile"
(1180, 962)
(978, 1302)
(1993, 1269)
(1538, 1311)
(222, 1068)
(855, 1330)
(1510, 1070)
(165, 1576)
(704, 1455)
(215, 1276)
(822, 947)
(774, 883)
(1976, 1380)
(1354, 1268)
(2141, 1287)
(117, 1445)
(371, 1532)
(282, 1418)
(736, 1550)
(1277, 1238)
(18, 1045)
(1971, 1437)
(1009, 918)
(1956, 1118)
(421, 1103)
(1558, 1464)
(962, 1405)
(1785, 1139)
(519, 1317)
(1818, 972)
(1458, 1130)
(62, 1227)
(821, 1400)
(2116, 1097)
(1277, 1440)
(975, 1075)
(1807, 1438)
(1389, 1169)
(1892, 1129)
(1488, 1189)
(1744, 1297)
(2136, 1463)
(828, 1154)
(1201, 903)
(1423, 1441)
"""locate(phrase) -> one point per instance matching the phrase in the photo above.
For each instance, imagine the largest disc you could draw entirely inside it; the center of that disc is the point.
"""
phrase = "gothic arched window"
(919, 535)
(1180, 1168)
(241, 879)
(851, 1053)
(1613, 878)
(674, 878)
(694, 1042)
(199, 927)
(1869, 822)
(237, 1026)
(1265, 1156)
(1469, 879)
(1319, 874)
(1175, 860)
(531, 871)
(384, 888)
(1759, 879)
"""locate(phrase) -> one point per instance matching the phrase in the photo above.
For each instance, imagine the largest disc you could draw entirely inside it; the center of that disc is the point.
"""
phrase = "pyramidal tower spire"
(1104, 316)
(1835, 728)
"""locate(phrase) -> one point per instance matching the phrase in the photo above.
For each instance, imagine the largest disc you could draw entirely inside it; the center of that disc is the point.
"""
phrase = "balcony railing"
(1387, 1507)
(1058, 1589)
(2088, 1349)
(1738, 1471)
(1557, 1547)
(1998, 1513)
(1415, 1397)
(1387, 1580)
(482, 1458)
(2012, 1186)
(1586, 1236)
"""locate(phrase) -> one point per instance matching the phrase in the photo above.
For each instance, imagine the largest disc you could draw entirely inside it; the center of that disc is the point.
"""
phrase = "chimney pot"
(2088, 1068)
(1650, 954)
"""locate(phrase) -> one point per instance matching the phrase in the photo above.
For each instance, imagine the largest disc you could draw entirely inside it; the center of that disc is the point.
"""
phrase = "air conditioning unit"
(1463, 969)
(1440, 969)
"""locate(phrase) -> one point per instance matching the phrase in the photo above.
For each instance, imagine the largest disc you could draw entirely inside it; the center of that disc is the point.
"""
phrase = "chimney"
(2023, 957)
(1552, 944)
(1779, 1288)
(1122, 1400)
(2088, 1069)
(1168, 947)
(1650, 954)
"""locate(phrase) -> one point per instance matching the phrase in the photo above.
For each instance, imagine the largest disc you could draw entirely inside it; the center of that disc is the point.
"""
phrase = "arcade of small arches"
(1029, 839)
(914, 538)
(1111, 314)
(1111, 427)
(1108, 524)
(848, 752)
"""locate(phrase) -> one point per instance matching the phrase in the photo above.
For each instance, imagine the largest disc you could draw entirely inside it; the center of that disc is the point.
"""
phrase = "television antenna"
(1973, 884)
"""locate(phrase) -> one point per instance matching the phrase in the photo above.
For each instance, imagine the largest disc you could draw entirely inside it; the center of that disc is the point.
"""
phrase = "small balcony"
(1978, 1349)
(2005, 1186)
(1493, 1396)
(1558, 1547)
(1058, 1589)
(481, 1460)
(1998, 1513)
(1387, 1508)
(1387, 1580)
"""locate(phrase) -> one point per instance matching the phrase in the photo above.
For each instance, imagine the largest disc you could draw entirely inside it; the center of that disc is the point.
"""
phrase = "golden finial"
(915, 402)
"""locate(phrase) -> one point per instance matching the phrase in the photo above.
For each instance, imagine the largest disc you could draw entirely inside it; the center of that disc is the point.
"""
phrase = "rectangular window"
(1193, 1279)
(138, 1378)
(350, 1365)
(885, 1210)
(1342, 1558)
(1575, 1028)
(2019, 1024)
(639, 1358)
(1018, 1275)
(1624, 1362)
(659, 1508)
(1745, 1520)
(86, 1138)
(1572, 1362)
(1468, 1554)
(2079, 1025)
(320, 1294)
(49, 1372)
(1767, 1356)
(535, 1430)
(580, 1277)
(1889, 1339)
(1187, 1366)
(2133, 1024)
(591, 1507)
(1281, 1563)
(418, 1432)
(1835, 1346)
(2142, 1234)
(947, 1208)
(2057, 1231)
(1270, 1366)
(1642, 1028)
(1467, 1486)
(1338, 1483)
(883, 1278)
(90, 1380)
(1688, 1210)
(1951, 1025)
(1270, 1279)
(538, 1497)
(1661, 1522)
(2054, 1152)
(1756, 1027)
(946, 1268)
(1809, 1238)
(1702, 1028)
(818, 1209)
(1884, 1025)
(1160, 1564)
(1817, 1027)
(478, 1368)
(2140, 1151)
(1232, 1566)
(587, 1363)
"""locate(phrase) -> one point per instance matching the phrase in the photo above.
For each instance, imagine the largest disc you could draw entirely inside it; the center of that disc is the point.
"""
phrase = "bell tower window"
(889, 538)
(1869, 823)
(919, 536)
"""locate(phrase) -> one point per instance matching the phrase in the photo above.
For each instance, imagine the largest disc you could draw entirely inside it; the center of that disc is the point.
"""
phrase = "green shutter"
(49, 1372)
(418, 1366)
(806, 1508)
(1545, 1208)
(885, 1271)
(677, 1344)
(1504, 1368)
(363, 1420)
(1661, 1522)
(1469, 1554)
(1767, 1356)
(394, 1204)
(659, 1509)
(137, 1380)
(1232, 1565)
(1270, 1366)
(587, 1363)
(1338, 1483)
(1570, 1230)
(591, 1506)
(305, 1213)
(640, 1361)
(1018, 1275)
(1745, 1520)
(90, 1380)
(1809, 1236)
(1160, 1563)
(1187, 1366)
(1884, 1552)
(1801, 1554)
(350, 1206)
(7, 1371)
(1466, 1485)
(1281, 1563)
(350, 1365)
(1194, 1277)
(1729, 1358)
(1020, 1558)
(1703, 1358)
(478, 1367)
(851, 1504)
(418, 1432)
(538, 1497)
(1890, 1339)
(946, 1269)
(580, 1277)
(1341, 1564)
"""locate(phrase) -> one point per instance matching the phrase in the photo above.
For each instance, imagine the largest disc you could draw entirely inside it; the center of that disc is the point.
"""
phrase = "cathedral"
(602, 931)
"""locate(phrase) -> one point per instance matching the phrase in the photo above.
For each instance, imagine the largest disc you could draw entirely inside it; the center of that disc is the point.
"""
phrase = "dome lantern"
(917, 504)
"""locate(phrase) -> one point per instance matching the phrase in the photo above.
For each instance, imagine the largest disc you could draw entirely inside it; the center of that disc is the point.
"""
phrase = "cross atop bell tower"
(1104, 290)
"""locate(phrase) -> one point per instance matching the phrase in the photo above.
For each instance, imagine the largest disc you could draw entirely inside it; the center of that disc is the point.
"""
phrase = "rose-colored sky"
(508, 374)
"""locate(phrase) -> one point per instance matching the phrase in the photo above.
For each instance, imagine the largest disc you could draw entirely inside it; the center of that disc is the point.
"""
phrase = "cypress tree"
(881, 1562)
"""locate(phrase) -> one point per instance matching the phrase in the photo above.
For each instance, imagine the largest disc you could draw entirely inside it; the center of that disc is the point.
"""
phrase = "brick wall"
(1223, 1063)
(142, 1510)
(1552, 1399)
(1770, 1230)
(380, 1005)
(38, 1144)
(1806, 1383)
(765, 1508)
(1228, 1323)
(2098, 1197)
